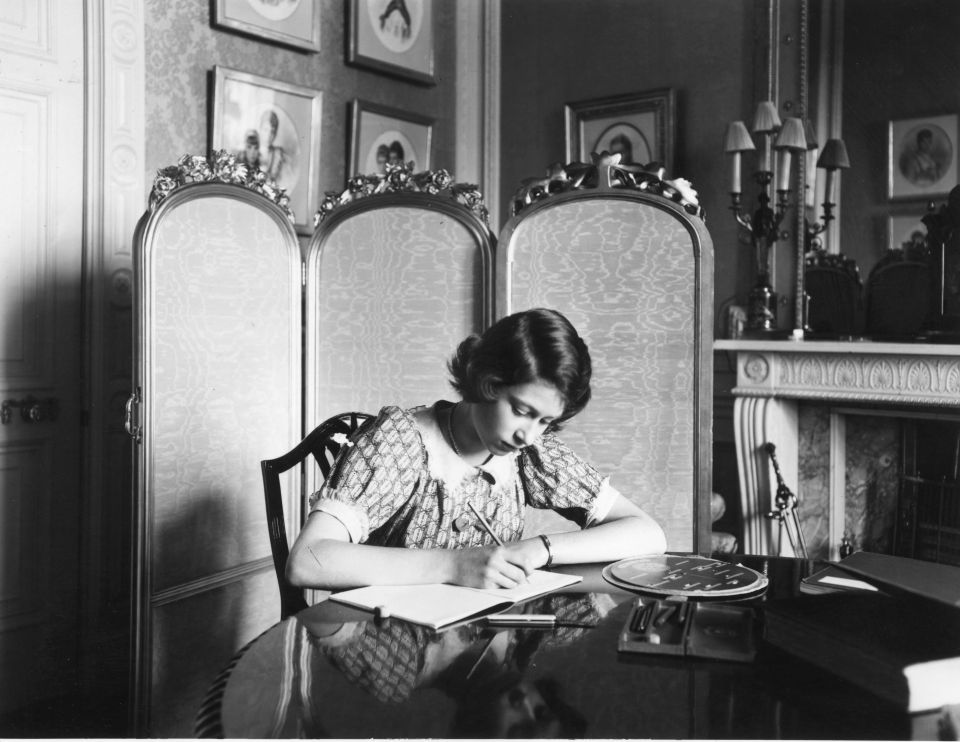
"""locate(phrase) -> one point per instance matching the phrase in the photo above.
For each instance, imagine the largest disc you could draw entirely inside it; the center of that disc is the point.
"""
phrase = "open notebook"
(441, 605)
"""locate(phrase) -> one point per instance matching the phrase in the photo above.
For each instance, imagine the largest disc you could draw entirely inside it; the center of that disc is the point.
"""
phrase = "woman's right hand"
(496, 566)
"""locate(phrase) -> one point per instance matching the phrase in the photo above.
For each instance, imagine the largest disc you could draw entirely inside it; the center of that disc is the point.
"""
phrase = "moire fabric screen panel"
(222, 389)
(626, 274)
(217, 364)
(218, 349)
(195, 638)
(391, 291)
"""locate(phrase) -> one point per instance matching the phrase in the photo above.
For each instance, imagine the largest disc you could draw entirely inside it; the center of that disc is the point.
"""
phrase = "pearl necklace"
(453, 440)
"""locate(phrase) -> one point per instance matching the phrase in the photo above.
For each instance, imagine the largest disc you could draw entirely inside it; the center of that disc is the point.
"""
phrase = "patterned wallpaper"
(182, 49)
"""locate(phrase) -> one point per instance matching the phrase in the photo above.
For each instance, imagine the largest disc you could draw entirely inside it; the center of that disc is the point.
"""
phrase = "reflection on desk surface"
(331, 671)
(363, 679)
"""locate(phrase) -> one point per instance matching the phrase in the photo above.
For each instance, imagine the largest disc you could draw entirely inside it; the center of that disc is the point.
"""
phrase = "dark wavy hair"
(535, 345)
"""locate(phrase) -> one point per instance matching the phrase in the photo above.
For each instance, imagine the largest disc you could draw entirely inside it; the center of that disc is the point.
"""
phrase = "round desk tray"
(685, 578)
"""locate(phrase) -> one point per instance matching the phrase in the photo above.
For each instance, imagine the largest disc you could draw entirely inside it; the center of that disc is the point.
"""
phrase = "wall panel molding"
(25, 117)
(25, 25)
(23, 586)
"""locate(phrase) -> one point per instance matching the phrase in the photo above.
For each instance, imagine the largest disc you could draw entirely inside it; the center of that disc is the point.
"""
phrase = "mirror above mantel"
(878, 71)
(873, 75)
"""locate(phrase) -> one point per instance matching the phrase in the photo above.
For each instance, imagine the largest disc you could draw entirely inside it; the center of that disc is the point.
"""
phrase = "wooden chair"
(624, 253)
(324, 444)
(898, 298)
(836, 295)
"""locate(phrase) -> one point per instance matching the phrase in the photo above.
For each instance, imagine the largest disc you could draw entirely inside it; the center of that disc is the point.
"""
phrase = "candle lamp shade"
(791, 136)
(767, 119)
(738, 138)
(834, 155)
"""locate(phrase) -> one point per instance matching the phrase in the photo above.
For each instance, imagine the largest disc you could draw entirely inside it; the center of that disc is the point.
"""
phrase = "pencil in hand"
(486, 526)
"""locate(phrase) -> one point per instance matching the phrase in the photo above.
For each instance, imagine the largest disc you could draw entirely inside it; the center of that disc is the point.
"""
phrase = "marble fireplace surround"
(774, 376)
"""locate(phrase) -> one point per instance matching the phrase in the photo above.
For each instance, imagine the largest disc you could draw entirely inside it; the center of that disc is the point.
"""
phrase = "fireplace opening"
(880, 481)
(928, 505)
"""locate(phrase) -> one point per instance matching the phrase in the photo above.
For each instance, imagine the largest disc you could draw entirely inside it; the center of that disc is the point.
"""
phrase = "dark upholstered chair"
(835, 292)
(323, 443)
(898, 299)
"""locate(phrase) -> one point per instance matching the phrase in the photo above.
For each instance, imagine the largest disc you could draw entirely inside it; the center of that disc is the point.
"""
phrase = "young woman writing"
(447, 482)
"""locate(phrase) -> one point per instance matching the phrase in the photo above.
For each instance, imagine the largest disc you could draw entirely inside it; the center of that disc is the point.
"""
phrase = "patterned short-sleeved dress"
(400, 483)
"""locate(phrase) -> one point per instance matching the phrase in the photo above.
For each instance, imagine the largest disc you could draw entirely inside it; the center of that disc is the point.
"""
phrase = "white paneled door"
(41, 201)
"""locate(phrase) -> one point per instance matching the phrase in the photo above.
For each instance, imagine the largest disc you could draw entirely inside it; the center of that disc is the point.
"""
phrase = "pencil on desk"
(485, 524)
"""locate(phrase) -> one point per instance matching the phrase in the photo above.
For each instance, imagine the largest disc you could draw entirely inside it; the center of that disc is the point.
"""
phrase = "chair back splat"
(324, 443)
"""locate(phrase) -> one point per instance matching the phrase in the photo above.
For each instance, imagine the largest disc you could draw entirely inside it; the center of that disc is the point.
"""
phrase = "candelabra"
(785, 140)
(832, 158)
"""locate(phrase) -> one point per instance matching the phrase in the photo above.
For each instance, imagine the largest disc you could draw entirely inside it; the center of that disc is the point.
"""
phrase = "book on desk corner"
(440, 606)
(832, 579)
(895, 575)
(901, 649)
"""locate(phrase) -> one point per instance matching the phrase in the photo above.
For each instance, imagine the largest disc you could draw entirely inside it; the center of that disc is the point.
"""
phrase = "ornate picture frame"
(395, 37)
(380, 135)
(922, 157)
(274, 126)
(293, 23)
(639, 126)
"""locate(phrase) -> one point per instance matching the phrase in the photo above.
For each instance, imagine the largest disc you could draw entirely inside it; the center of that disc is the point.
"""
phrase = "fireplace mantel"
(774, 375)
(880, 373)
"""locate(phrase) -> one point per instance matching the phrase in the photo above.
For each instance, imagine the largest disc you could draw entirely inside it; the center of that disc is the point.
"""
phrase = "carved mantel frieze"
(879, 373)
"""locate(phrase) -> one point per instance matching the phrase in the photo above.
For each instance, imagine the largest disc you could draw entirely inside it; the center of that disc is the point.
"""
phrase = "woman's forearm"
(333, 564)
(607, 542)
(322, 558)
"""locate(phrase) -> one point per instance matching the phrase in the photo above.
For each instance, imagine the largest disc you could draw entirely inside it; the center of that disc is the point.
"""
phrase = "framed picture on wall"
(906, 231)
(922, 157)
(638, 126)
(294, 23)
(380, 135)
(274, 126)
(393, 36)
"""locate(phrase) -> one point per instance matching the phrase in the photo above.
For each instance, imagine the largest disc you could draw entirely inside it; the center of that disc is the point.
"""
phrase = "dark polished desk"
(330, 671)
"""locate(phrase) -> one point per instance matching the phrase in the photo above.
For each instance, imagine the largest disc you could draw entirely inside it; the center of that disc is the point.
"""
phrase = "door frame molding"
(477, 146)
(114, 199)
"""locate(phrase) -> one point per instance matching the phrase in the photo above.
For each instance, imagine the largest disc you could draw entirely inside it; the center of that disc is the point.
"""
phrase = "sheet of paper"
(430, 605)
(847, 582)
(538, 583)
(439, 605)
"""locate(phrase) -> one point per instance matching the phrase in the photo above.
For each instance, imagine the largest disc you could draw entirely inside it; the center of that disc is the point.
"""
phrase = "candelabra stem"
(762, 305)
(764, 228)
